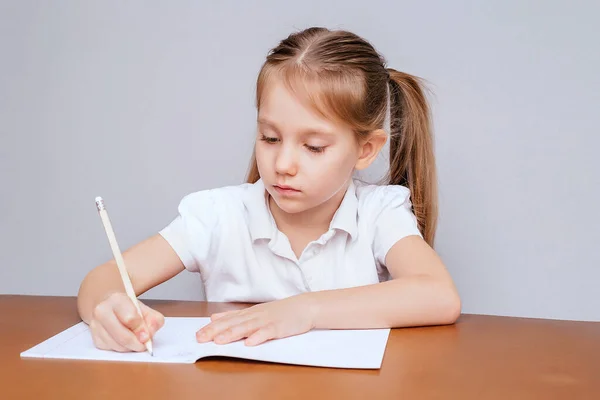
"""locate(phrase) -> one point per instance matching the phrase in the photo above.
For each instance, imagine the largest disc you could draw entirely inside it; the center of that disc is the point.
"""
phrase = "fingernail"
(143, 336)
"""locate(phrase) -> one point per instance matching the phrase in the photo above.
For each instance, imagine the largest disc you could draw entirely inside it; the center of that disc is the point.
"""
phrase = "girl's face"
(303, 159)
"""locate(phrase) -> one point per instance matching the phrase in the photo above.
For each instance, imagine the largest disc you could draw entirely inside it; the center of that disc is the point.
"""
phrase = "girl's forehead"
(294, 107)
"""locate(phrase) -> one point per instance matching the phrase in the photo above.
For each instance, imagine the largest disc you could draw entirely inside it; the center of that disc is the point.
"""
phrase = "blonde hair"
(346, 79)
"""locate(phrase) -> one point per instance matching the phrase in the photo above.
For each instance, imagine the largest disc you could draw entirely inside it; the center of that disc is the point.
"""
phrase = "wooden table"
(480, 357)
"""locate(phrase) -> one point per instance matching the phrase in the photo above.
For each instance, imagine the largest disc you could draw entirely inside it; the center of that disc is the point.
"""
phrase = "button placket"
(308, 273)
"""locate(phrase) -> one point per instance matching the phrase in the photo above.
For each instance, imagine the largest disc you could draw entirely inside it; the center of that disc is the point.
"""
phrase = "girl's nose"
(285, 163)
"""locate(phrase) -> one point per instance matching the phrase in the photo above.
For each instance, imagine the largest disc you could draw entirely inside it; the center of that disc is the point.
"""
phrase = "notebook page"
(172, 344)
(176, 343)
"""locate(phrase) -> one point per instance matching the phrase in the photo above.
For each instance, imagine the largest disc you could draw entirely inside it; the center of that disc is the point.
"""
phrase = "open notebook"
(176, 342)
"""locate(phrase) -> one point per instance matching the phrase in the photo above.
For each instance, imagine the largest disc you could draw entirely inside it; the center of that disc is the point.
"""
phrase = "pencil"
(121, 263)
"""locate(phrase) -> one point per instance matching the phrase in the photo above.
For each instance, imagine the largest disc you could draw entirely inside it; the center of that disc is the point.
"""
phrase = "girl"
(316, 247)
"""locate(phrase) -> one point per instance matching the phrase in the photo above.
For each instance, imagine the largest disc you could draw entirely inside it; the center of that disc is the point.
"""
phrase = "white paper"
(176, 342)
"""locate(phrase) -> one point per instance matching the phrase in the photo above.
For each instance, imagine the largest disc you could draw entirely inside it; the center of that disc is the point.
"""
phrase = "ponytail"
(412, 161)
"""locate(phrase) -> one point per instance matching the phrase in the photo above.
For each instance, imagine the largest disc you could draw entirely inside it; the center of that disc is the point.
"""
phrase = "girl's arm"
(149, 263)
(421, 293)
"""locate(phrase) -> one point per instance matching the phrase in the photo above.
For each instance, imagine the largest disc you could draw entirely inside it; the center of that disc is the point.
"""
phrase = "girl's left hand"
(262, 322)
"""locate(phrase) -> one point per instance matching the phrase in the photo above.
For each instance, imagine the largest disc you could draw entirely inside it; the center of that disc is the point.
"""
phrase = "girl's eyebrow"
(307, 131)
(263, 121)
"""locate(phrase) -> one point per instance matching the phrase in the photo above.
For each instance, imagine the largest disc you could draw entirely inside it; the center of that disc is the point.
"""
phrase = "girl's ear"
(370, 148)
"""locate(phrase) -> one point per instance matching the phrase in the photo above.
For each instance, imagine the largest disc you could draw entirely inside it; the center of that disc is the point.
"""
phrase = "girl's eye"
(316, 149)
(268, 139)
(272, 140)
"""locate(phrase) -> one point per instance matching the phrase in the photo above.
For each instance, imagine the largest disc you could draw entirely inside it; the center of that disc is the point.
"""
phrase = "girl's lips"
(285, 189)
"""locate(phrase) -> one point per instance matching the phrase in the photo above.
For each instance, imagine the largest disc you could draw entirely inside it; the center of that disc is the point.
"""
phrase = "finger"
(217, 316)
(212, 329)
(127, 314)
(97, 338)
(154, 319)
(111, 343)
(123, 336)
(103, 340)
(262, 335)
(239, 331)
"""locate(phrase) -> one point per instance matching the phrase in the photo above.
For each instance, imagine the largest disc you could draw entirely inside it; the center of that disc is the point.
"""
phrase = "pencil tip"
(150, 348)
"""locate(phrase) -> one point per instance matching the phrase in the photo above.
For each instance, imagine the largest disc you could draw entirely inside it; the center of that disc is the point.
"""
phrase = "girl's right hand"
(116, 325)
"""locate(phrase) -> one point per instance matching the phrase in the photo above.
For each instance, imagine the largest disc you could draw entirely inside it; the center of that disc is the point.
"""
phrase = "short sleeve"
(394, 219)
(193, 231)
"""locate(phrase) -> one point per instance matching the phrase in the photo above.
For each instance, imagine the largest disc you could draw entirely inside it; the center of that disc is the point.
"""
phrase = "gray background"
(139, 102)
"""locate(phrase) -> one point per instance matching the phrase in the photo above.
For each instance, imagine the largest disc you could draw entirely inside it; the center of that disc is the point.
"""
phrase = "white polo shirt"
(229, 236)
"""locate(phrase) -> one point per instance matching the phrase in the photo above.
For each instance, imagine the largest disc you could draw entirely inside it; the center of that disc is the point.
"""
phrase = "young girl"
(316, 247)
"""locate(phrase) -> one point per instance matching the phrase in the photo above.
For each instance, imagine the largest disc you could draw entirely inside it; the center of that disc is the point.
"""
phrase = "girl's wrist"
(312, 306)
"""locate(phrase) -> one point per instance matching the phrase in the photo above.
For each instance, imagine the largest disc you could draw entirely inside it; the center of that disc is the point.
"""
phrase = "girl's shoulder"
(385, 211)
(379, 197)
(225, 198)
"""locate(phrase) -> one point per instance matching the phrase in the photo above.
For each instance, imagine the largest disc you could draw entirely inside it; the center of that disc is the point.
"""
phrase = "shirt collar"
(261, 222)
(262, 225)
(345, 218)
